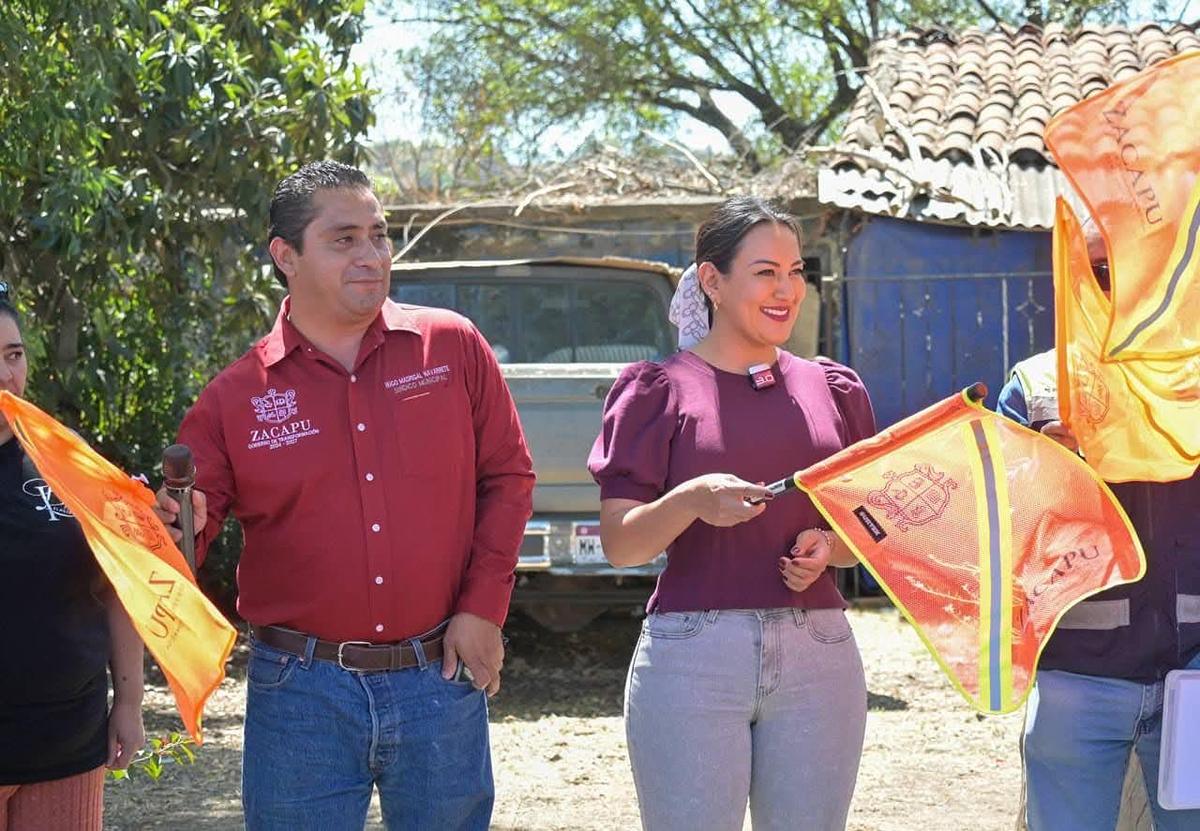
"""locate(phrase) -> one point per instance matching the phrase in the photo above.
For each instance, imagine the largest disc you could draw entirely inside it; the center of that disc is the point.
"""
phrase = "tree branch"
(708, 113)
(990, 12)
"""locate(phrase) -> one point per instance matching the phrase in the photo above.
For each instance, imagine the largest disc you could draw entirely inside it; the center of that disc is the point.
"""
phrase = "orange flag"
(982, 532)
(188, 637)
(1129, 364)
(1135, 419)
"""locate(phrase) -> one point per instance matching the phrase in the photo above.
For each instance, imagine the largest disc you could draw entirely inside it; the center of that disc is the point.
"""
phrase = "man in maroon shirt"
(373, 455)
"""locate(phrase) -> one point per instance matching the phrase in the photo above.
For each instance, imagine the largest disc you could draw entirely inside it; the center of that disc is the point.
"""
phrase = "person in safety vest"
(1099, 690)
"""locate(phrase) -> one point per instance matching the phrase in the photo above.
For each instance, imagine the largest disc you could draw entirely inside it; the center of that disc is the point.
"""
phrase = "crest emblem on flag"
(135, 522)
(916, 497)
(275, 407)
(1092, 393)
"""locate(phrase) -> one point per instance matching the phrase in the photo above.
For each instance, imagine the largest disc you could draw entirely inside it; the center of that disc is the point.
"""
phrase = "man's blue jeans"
(1079, 731)
(319, 738)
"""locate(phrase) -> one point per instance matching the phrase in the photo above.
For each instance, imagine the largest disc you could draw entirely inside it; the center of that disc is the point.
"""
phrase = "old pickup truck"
(562, 329)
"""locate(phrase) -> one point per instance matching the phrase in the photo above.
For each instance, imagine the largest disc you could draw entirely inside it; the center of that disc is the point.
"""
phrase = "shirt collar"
(285, 337)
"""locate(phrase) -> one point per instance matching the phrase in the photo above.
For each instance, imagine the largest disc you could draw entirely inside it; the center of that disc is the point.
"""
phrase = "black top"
(54, 644)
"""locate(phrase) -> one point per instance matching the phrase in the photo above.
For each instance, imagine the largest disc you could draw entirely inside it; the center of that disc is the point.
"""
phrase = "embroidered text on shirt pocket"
(419, 384)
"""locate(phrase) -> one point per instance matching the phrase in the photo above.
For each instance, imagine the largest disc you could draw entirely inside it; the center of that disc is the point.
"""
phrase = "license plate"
(585, 544)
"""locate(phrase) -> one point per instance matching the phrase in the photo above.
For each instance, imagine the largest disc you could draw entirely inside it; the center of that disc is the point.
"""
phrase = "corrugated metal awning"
(939, 190)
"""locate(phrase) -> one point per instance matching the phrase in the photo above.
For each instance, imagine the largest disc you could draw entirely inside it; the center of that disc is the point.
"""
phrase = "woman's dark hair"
(6, 304)
(721, 235)
(292, 203)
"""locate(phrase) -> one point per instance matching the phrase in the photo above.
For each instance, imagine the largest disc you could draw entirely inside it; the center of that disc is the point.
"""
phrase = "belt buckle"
(341, 662)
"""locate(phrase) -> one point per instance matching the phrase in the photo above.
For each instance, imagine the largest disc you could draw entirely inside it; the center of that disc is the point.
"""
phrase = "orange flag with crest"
(188, 637)
(982, 532)
(1129, 363)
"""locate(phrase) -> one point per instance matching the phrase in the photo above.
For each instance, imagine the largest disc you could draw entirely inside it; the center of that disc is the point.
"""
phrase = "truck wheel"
(562, 617)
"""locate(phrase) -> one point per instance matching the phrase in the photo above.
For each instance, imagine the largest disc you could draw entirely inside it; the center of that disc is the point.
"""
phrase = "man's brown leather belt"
(359, 656)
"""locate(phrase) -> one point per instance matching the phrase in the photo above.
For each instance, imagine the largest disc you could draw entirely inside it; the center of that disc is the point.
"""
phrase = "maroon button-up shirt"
(375, 503)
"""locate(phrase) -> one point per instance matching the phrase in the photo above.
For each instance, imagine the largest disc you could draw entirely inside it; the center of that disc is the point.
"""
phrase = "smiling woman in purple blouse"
(746, 683)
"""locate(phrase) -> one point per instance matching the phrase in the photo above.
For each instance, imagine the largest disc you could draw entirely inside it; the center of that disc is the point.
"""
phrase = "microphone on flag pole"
(179, 477)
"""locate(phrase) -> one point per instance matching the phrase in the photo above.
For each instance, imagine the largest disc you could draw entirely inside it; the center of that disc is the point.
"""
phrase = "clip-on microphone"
(761, 376)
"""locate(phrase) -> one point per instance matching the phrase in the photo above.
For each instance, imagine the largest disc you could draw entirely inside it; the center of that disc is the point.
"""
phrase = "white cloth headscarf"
(688, 310)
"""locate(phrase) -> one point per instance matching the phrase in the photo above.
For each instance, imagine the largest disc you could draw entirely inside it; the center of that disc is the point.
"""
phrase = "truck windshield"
(542, 321)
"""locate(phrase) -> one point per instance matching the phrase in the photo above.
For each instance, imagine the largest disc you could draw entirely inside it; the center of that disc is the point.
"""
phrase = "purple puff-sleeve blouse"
(665, 423)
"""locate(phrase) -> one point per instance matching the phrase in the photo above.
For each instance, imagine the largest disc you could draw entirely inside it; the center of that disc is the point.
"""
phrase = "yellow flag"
(1135, 419)
(1129, 364)
(188, 637)
(982, 532)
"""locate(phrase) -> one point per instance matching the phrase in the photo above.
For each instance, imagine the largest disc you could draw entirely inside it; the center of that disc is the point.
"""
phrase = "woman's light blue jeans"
(763, 706)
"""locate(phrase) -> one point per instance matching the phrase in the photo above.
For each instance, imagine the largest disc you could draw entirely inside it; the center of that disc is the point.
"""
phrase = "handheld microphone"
(179, 477)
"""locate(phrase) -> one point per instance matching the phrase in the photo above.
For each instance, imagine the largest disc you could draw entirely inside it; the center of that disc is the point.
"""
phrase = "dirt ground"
(930, 763)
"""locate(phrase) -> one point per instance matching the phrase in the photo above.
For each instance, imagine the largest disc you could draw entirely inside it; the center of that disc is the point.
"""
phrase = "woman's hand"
(126, 734)
(720, 499)
(808, 559)
(634, 533)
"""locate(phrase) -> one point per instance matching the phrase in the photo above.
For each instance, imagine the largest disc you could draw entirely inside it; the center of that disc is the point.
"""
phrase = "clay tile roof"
(1007, 82)
(981, 98)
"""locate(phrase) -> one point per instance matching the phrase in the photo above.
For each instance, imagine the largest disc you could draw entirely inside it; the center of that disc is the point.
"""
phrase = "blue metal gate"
(928, 309)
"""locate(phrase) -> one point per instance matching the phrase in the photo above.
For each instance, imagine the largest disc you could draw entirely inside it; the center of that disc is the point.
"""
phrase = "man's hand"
(1062, 434)
(126, 734)
(809, 559)
(167, 510)
(477, 643)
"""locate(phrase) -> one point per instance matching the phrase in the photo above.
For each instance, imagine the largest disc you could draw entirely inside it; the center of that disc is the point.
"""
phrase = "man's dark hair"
(292, 203)
(6, 304)
(721, 235)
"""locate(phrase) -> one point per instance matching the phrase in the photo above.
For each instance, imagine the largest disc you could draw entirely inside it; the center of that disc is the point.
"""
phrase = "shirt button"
(361, 427)
(353, 379)
(378, 581)
(375, 527)
(370, 477)
(379, 627)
